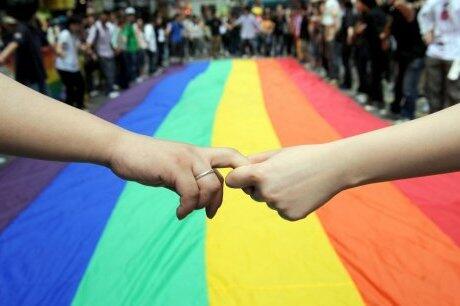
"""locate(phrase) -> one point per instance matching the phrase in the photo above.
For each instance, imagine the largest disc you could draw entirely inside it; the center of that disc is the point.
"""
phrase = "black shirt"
(28, 56)
(407, 35)
(375, 21)
(304, 33)
(348, 21)
(280, 25)
(214, 25)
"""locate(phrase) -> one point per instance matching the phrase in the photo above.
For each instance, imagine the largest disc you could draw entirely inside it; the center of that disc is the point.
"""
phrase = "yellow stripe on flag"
(253, 256)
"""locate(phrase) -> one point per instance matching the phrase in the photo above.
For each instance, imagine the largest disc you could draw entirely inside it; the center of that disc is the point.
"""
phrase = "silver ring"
(201, 175)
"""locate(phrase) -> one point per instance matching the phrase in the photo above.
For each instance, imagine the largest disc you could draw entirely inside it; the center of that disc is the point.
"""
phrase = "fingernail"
(178, 213)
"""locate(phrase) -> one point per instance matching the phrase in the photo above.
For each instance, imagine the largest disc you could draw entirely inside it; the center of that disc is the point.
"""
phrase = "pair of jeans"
(346, 61)
(152, 60)
(39, 86)
(131, 60)
(403, 64)
(410, 86)
(108, 69)
(122, 70)
(248, 43)
(440, 91)
(332, 59)
(74, 87)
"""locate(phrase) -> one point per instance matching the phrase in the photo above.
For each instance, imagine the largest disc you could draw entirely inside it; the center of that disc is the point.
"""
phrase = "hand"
(360, 28)
(174, 166)
(293, 181)
(428, 38)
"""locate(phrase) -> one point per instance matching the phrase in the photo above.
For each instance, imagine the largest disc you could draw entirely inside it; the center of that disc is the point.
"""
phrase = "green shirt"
(131, 39)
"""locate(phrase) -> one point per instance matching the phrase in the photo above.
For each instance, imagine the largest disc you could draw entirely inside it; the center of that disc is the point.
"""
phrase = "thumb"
(242, 177)
(261, 157)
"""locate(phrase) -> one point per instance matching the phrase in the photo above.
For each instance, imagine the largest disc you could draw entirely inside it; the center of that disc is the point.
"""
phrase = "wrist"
(113, 146)
(350, 173)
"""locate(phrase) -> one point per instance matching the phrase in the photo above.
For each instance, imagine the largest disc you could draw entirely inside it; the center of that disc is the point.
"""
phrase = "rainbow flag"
(76, 234)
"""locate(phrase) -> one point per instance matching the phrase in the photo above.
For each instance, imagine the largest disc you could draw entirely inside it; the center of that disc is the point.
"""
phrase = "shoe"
(369, 108)
(93, 93)
(113, 94)
(361, 98)
(383, 112)
(402, 120)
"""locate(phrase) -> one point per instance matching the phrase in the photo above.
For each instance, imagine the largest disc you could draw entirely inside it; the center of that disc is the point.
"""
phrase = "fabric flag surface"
(75, 234)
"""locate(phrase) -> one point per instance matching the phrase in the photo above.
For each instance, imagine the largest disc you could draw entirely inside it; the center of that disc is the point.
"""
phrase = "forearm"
(37, 126)
(430, 145)
(8, 51)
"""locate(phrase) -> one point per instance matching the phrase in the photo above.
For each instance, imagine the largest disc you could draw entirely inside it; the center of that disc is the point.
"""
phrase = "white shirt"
(150, 37)
(196, 31)
(446, 43)
(161, 35)
(249, 26)
(69, 60)
(332, 15)
(102, 37)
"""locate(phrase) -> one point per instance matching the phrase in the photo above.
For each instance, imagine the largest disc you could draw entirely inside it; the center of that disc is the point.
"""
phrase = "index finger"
(225, 158)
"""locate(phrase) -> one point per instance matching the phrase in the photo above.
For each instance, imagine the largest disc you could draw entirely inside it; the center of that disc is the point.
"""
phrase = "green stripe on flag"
(145, 256)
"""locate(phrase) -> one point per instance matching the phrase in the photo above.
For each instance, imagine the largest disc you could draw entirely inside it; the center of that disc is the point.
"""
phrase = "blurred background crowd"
(399, 58)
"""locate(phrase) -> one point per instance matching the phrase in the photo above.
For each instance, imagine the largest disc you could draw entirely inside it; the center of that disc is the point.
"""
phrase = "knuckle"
(257, 175)
(268, 196)
(231, 151)
(215, 187)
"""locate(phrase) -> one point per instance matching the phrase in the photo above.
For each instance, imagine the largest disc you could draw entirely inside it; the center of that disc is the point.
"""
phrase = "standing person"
(294, 33)
(90, 59)
(267, 28)
(344, 37)
(160, 29)
(409, 55)
(141, 52)
(151, 41)
(304, 35)
(132, 44)
(176, 37)
(196, 37)
(233, 36)
(249, 29)
(67, 65)
(214, 24)
(119, 46)
(331, 21)
(440, 26)
(373, 22)
(100, 40)
(279, 20)
(316, 37)
(26, 45)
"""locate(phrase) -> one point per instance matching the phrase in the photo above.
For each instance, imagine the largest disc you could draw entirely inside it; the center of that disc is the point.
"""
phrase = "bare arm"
(8, 51)
(296, 181)
(36, 126)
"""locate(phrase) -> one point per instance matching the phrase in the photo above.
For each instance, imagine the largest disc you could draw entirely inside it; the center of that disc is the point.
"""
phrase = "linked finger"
(225, 158)
(216, 202)
(187, 188)
(208, 184)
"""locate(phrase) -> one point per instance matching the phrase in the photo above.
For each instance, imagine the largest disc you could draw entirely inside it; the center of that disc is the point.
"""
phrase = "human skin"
(298, 180)
(36, 126)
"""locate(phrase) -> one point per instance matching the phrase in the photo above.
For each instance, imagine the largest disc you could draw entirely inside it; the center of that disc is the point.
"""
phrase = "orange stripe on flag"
(393, 252)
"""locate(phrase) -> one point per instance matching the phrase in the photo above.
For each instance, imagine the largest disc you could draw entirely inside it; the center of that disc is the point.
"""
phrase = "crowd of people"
(357, 45)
